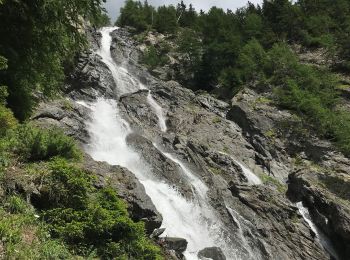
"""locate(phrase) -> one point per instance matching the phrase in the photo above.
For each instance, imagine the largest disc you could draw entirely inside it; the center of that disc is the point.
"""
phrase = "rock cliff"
(252, 155)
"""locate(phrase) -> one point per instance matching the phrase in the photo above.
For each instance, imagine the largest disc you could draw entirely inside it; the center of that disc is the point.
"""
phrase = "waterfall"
(238, 219)
(251, 177)
(321, 238)
(193, 220)
(159, 112)
(124, 81)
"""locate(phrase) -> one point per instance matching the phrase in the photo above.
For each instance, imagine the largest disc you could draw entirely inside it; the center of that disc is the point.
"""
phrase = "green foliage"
(15, 204)
(3, 63)
(166, 21)
(68, 216)
(39, 39)
(253, 26)
(269, 180)
(152, 58)
(3, 95)
(90, 221)
(311, 92)
(250, 67)
(25, 237)
(133, 14)
(143, 17)
(100, 19)
(190, 45)
(34, 144)
(7, 120)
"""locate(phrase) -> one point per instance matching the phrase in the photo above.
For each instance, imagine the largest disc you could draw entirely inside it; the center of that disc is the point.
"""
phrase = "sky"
(113, 6)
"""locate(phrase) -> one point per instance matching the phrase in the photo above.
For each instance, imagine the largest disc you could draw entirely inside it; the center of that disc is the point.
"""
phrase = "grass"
(215, 170)
(271, 134)
(216, 120)
(23, 236)
(343, 87)
(337, 186)
(67, 105)
(269, 180)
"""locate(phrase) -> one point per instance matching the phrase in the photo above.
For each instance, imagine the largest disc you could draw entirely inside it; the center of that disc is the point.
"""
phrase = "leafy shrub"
(7, 120)
(90, 221)
(3, 95)
(65, 186)
(36, 144)
(25, 237)
(152, 58)
(15, 204)
(250, 66)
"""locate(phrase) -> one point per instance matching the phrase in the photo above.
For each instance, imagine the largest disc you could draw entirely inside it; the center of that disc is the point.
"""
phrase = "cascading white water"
(321, 238)
(159, 112)
(251, 177)
(121, 74)
(237, 218)
(192, 220)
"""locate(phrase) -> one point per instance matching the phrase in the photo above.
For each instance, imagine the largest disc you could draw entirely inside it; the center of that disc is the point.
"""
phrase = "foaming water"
(194, 219)
(321, 238)
(252, 178)
(238, 219)
(181, 218)
(120, 74)
(198, 186)
(124, 81)
(158, 110)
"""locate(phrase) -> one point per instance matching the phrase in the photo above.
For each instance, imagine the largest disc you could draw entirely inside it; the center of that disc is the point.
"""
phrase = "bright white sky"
(113, 6)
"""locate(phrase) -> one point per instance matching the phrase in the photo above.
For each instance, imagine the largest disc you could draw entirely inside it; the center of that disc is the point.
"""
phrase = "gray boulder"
(214, 253)
(179, 245)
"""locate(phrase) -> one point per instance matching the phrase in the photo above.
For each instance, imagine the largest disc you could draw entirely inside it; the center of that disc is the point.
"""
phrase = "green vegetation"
(249, 47)
(153, 58)
(33, 144)
(143, 17)
(337, 185)
(269, 180)
(23, 236)
(50, 208)
(39, 40)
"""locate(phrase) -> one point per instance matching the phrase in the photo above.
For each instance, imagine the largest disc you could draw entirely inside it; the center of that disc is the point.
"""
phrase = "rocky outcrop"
(327, 198)
(129, 188)
(214, 139)
(214, 253)
(176, 244)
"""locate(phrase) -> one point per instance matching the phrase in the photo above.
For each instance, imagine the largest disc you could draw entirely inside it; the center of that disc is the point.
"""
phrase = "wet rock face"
(90, 79)
(331, 214)
(176, 244)
(214, 253)
(212, 138)
(140, 206)
(66, 115)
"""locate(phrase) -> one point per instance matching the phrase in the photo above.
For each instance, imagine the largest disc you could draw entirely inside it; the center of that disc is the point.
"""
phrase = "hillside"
(176, 134)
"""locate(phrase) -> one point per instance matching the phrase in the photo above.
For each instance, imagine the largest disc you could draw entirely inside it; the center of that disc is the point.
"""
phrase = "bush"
(15, 204)
(7, 120)
(24, 237)
(34, 144)
(90, 220)
(3, 95)
(152, 58)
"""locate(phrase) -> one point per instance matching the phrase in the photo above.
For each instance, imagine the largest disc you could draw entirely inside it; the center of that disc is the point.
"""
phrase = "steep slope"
(226, 164)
